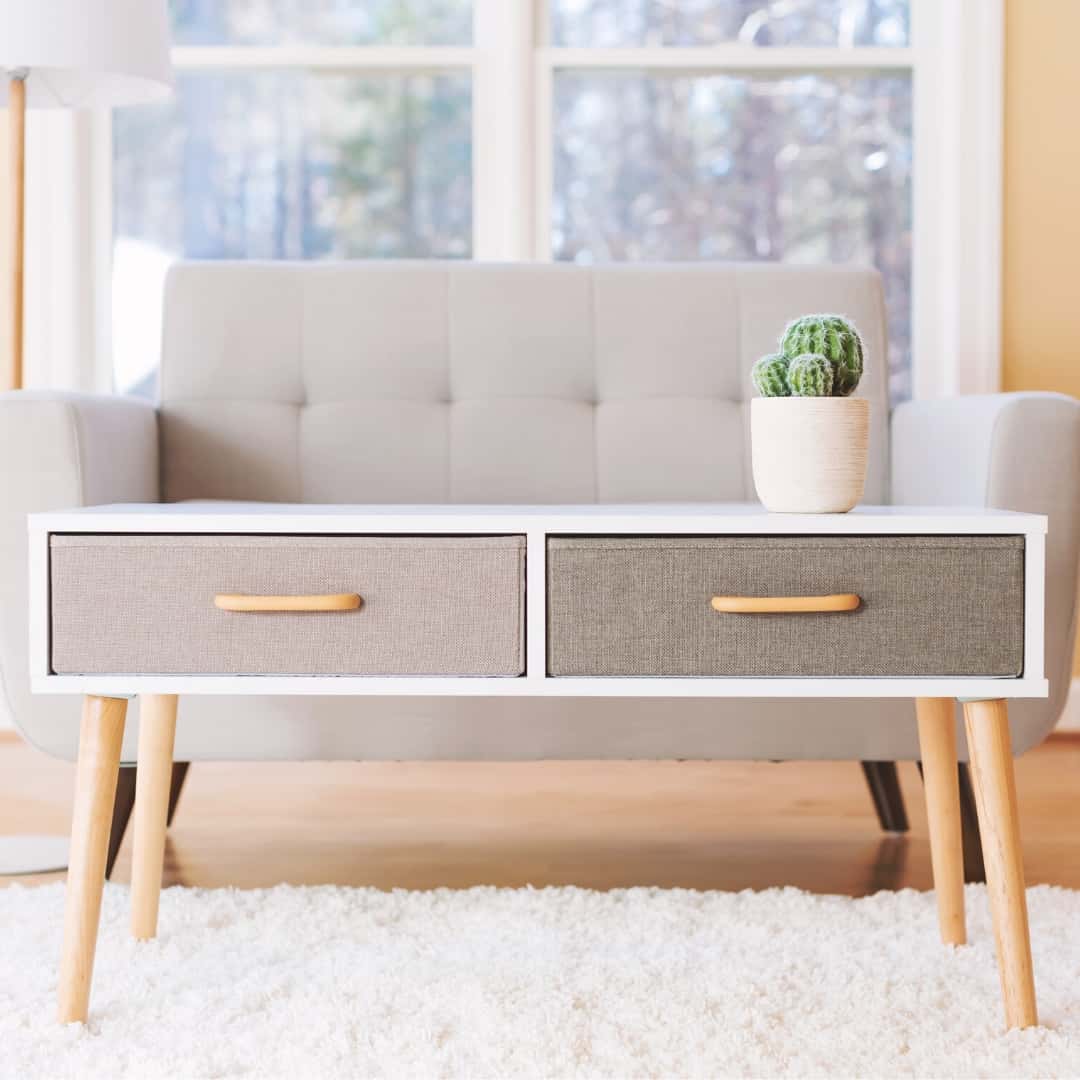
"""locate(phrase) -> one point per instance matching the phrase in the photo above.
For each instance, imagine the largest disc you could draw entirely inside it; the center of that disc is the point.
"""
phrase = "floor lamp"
(80, 54)
(75, 54)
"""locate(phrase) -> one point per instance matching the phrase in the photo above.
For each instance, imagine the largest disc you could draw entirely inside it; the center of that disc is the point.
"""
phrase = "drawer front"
(930, 605)
(145, 605)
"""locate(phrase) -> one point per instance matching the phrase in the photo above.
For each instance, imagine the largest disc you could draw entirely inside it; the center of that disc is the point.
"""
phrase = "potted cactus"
(808, 435)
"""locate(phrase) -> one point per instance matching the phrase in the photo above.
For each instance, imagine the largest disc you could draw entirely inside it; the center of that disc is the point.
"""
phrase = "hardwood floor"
(724, 825)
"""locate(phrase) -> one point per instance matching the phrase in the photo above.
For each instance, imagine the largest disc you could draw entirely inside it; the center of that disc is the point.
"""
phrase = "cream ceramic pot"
(809, 454)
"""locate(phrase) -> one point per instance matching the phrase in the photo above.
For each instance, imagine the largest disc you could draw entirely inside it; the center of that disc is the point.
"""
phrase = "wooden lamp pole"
(17, 167)
(66, 54)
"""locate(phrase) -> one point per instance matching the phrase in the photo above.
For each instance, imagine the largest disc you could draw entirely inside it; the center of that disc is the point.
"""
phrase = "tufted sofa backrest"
(431, 382)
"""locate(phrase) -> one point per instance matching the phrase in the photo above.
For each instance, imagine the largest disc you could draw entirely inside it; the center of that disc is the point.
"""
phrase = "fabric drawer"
(931, 605)
(145, 605)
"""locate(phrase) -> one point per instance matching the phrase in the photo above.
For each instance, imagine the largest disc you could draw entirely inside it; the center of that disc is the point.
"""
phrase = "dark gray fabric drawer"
(933, 605)
(145, 605)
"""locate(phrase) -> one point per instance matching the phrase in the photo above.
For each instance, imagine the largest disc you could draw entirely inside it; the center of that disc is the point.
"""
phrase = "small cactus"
(811, 375)
(835, 339)
(770, 376)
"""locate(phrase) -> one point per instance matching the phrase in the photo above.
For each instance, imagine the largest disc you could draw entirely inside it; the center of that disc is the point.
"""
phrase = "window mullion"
(957, 196)
(504, 137)
(743, 59)
(543, 155)
(386, 59)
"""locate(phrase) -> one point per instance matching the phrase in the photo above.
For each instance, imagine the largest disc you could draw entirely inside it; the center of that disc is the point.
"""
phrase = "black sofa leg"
(884, 784)
(974, 870)
(125, 803)
(179, 775)
(121, 815)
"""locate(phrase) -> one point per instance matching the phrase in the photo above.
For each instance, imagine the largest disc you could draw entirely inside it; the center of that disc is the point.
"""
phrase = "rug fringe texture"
(558, 982)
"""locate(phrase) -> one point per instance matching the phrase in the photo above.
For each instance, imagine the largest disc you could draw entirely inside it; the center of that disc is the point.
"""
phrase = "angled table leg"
(100, 736)
(153, 779)
(987, 725)
(937, 743)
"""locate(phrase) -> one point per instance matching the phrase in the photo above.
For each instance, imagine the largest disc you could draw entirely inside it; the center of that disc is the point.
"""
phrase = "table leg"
(100, 736)
(987, 724)
(153, 779)
(937, 743)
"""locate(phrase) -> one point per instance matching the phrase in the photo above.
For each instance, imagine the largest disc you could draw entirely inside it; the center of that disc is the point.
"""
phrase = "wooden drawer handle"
(749, 605)
(328, 602)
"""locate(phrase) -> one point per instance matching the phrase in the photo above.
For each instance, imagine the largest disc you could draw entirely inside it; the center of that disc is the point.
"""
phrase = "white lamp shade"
(86, 53)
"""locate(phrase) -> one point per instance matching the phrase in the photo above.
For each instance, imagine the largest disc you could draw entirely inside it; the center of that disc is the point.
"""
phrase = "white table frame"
(105, 697)
(536, 523)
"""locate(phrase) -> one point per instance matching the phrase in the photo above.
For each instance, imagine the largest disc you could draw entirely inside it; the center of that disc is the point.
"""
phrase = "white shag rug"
(335, 982)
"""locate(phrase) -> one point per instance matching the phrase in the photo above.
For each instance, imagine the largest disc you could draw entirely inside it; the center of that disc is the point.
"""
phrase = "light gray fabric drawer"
(145, 605)
(931, 605)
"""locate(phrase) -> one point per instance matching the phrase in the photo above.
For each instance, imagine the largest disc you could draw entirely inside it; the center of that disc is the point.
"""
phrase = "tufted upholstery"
(465, 382)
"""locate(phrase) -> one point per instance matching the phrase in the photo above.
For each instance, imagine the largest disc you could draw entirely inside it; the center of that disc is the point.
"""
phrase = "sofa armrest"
(1011, 452)
(64, 449)
(59, 450)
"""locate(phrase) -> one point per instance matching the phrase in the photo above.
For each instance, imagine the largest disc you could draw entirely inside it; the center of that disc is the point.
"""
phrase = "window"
(282, 166)
(584, 130)
(807, 169)
(278, 156)
(665, 150)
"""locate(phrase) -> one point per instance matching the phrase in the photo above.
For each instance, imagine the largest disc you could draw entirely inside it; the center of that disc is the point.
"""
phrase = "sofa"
(426, 382)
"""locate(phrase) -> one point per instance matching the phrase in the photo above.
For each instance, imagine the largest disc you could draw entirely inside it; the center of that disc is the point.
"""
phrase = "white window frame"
(955, 60)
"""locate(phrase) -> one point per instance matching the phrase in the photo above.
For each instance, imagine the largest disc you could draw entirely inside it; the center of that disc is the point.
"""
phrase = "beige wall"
(1041, 272)
(1041, 318)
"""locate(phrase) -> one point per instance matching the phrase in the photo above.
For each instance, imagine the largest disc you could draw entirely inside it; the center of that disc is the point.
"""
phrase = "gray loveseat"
(438, 382)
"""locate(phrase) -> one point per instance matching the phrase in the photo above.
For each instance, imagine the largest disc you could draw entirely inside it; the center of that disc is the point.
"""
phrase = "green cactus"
(811, 375)
(832, 337)
(770, 376)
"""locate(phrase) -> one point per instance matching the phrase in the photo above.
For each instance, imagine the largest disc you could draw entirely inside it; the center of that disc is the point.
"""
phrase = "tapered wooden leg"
(153, 778)
(987, 725)
(937, 742)
(100, 737)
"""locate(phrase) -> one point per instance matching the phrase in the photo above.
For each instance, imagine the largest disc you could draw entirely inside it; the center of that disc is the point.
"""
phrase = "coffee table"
(702, 600)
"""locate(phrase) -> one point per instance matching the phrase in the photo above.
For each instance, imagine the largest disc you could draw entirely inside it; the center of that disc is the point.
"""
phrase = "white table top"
(748, 518)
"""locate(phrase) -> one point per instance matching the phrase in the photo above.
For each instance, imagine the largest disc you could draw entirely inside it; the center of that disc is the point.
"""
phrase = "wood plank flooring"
(720, 825)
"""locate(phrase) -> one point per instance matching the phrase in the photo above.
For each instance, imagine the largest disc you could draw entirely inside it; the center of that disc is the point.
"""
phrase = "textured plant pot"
(809, 454)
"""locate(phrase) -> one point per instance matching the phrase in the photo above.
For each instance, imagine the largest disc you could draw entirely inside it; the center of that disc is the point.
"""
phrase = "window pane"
(807, 169)
(612, 23)
(322, 22)
(282, 165)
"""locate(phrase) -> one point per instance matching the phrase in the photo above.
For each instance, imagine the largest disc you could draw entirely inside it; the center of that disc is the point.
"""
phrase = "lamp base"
(32, 854)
